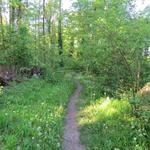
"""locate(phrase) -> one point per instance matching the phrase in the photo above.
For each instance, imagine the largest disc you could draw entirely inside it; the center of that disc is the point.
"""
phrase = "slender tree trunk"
(60, 42)
(1, 22)
(44, 40)
(130, 71)
(19, 11)
(26, 12)
(49, 26)
(35, 40)
(1, 16)
(138, 73)
(43, 17)
(12, 15)
(38, 31)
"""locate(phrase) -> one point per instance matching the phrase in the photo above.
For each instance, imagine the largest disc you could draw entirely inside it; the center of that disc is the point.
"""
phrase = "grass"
(109, 124)
(32, 115)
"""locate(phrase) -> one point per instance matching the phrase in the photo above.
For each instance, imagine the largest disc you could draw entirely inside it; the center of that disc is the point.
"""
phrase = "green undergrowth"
(32, 115)
(109, 123)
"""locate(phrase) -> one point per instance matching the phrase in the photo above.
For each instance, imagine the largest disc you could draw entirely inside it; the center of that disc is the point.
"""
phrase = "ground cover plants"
(111, 124)
(32, 115)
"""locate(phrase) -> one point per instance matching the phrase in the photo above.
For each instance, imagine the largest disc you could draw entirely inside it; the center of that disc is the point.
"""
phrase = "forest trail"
(71, 132)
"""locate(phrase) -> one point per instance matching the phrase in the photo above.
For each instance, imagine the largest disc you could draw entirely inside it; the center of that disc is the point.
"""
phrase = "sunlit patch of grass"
(100, 109)
(107, 124)
(32, 115)
(112, 124)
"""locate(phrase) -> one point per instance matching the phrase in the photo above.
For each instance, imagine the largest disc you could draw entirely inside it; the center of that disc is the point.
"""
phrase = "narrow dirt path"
(71, 132)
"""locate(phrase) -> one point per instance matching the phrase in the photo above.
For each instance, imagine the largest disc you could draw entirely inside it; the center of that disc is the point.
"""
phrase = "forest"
(76, 78)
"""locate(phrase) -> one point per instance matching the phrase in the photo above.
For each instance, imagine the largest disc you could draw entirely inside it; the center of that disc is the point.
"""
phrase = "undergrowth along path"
(71, 131)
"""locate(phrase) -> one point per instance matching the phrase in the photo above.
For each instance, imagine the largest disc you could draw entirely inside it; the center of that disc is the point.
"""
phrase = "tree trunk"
(19, 11)
(12, 15)
(60, 42)
(138, 72)
(43, 17)
(1, 22)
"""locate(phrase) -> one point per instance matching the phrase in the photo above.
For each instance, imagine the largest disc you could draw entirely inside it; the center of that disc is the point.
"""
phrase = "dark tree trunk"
(60, 42)
(49, 27)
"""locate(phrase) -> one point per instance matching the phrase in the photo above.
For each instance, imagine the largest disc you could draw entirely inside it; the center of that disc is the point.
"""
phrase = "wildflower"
(132, 126)
(39, 128)
(94, 94)
(39, 134)
(144, 133)
(42, 103)
(18, 148)
(30, 123)
(134, 138)
(107, 99)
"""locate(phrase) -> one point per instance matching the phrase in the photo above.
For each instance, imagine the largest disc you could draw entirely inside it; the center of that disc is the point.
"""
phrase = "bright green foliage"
(32, 114)
(22, 49)
(103, 39)
(108, 123)
(109, 43)
(17, 49)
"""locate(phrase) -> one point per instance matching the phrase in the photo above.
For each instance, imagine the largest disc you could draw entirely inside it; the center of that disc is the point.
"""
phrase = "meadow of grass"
(110, 124)
(32, 115)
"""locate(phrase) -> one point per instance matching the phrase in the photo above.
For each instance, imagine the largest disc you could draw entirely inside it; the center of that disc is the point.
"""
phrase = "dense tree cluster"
(30, 31)
(108, 39)
(105, 38)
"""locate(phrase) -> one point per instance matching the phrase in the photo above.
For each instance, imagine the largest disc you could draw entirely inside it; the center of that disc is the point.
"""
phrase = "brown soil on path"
(71, 132)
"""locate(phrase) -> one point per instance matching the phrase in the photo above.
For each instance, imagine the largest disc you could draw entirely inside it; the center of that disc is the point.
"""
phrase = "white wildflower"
(39, 134)
(134, 138)
(38, 128)
(18, 147)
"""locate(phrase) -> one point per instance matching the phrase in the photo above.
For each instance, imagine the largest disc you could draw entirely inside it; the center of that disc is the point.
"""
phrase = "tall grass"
(109, 123)
(32, 114)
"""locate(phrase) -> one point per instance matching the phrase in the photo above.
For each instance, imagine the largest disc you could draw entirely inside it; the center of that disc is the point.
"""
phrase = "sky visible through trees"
(140, 4)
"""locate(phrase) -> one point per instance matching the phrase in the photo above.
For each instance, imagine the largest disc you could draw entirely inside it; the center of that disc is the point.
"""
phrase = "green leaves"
(109, 41)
